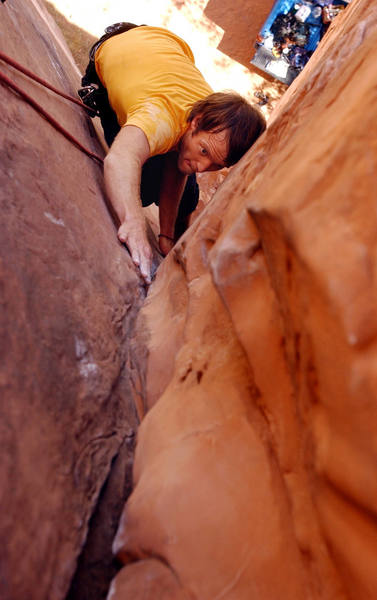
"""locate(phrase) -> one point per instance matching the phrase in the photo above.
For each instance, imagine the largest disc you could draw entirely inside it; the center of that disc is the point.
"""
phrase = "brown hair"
(229, 110)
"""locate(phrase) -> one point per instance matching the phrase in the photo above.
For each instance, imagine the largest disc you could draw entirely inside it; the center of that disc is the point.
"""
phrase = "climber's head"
(222, 127)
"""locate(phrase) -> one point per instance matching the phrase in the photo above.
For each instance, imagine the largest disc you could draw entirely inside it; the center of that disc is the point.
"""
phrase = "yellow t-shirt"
(152, 82)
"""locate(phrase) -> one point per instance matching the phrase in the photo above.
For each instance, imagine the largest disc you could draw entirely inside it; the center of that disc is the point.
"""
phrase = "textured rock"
(255, 465)
(149, 578)
(69, 295)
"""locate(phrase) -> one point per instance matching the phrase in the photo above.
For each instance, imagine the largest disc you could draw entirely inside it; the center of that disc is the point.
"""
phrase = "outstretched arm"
(172, 186)
(122, 171)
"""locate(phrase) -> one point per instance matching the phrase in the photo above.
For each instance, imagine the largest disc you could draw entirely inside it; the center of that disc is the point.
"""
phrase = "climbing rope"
(4, 79)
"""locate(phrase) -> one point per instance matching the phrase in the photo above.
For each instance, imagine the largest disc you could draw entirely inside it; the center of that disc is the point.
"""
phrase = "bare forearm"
(168, 215)
(122, 181)
(172, 187)
(122, 173)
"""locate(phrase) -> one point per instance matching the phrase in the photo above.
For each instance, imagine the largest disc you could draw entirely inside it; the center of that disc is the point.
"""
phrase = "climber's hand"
(133, 234)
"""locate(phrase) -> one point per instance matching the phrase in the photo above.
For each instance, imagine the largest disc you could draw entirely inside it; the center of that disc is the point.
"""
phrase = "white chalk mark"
(87, 366)
(54, 220)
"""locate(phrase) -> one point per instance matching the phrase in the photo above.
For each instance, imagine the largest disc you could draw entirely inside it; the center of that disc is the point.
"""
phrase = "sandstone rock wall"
(255, 465)
(69, 295)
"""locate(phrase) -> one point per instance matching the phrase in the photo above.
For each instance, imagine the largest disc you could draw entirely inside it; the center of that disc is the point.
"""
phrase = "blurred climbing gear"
(291, 33)
(262, 98)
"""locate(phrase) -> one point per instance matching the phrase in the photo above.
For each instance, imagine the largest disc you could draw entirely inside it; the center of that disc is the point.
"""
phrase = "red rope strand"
(39, 108)
(28, 73)
(48, 117)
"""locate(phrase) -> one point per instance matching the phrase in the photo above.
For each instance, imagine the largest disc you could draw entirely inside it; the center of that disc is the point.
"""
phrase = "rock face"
(69, 296)
(255, 465)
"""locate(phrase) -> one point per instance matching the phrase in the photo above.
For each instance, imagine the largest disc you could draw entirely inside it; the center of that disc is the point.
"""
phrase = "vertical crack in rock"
(96, 565)
(252, 367)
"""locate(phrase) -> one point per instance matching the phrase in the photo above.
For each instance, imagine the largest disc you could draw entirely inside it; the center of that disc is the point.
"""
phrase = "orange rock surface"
(253, 360)
(255, 472)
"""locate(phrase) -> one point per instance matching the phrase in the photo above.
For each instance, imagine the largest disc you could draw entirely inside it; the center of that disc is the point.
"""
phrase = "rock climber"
(163, 124)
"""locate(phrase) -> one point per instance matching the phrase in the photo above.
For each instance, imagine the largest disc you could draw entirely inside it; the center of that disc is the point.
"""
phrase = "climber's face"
(202, 150)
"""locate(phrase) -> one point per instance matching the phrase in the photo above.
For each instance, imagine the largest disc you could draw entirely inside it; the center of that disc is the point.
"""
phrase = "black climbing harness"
(92, 93)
